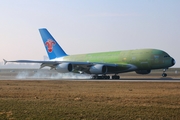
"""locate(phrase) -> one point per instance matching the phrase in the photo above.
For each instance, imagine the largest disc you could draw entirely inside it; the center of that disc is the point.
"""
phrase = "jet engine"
(143, 71)
(98, 69)
(64, 67)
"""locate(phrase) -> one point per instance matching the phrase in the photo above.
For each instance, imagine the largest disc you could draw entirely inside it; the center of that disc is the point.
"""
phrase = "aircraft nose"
(173, 62)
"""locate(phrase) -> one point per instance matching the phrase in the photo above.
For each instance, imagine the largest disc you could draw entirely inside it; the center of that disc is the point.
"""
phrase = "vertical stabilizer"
(53, 49)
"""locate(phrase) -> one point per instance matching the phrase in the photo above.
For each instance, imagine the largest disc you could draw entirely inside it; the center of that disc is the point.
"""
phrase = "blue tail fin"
(53, 49)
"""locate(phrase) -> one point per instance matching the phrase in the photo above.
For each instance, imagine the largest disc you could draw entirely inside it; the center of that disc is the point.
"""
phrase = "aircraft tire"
(101, 77)
(115, 77)
(94, 77)
(164, 75)
(106, 77)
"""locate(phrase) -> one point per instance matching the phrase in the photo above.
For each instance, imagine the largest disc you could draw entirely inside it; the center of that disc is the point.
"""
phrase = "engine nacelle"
(143, 71)
(98, 69)
(64, 67)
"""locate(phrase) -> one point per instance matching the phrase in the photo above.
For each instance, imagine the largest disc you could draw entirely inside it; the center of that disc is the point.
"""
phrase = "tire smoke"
(44, 75)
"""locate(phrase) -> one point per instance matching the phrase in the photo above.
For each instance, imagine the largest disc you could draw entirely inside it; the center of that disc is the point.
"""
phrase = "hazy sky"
(85, 26)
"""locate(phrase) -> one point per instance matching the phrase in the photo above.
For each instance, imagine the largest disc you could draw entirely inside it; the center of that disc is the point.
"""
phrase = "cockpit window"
(166, 56)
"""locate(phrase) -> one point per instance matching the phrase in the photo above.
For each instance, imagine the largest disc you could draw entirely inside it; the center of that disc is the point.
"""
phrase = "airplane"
(103, 64)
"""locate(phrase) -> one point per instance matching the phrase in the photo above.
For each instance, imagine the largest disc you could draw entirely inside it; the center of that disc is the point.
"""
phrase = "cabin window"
(166, 56)
(156, 56)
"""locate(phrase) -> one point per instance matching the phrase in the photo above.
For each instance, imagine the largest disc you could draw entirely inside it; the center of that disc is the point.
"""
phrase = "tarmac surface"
(45, 74)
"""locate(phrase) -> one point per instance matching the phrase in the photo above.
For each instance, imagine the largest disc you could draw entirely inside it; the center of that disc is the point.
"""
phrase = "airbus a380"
(100, 65)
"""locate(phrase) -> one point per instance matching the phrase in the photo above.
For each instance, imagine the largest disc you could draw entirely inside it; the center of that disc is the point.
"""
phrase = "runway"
(95, 80)
(133, 80)
(44, 74)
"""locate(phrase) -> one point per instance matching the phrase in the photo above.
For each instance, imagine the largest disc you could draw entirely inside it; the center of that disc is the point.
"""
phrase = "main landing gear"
(106, 77)
(164, 74)
(115, 77)
(101, 77)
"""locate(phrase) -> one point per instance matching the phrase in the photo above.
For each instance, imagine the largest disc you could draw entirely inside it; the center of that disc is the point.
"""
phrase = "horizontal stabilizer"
(5, 61)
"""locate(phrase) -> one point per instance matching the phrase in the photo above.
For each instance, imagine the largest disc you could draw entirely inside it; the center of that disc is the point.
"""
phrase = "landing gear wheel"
(164, 74)
(100, 77)
(106, 77)
(94, 77)
(115, 77)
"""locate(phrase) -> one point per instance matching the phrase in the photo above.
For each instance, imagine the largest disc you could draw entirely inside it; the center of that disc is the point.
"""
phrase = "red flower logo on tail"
(50, 43)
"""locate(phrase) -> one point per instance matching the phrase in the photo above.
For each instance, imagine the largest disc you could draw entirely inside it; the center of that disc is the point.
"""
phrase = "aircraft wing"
(27, 61)
(47, 63)
(81, 66)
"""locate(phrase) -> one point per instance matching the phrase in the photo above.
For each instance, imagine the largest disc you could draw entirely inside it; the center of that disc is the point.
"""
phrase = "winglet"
(5, 61)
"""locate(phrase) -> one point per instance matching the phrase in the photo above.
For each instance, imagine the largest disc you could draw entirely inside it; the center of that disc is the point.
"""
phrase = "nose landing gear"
(164, 74)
